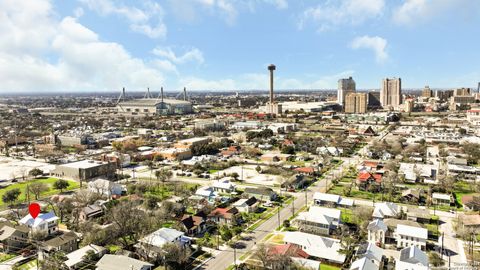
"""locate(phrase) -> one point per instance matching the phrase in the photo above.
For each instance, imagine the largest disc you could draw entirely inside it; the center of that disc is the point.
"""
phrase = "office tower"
(391, 92)
(345, 86)
(356, 103)
(427, 92)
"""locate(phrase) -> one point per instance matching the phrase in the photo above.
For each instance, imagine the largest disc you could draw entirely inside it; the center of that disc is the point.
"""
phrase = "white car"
(268, 204)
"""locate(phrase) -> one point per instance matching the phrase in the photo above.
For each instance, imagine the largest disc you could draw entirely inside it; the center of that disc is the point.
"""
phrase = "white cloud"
(376, 43)
(147, 20)
(229, 10)
(78, 12)
(166, 66)
(333, 13)
(82, 61)
(193, 54)
(412, 11)
(258, 81)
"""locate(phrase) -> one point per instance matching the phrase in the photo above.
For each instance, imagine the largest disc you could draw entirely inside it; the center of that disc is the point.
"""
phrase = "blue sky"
(102, 45)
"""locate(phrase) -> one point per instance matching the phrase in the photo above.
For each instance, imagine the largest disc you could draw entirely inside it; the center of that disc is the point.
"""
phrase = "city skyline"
(84, 45)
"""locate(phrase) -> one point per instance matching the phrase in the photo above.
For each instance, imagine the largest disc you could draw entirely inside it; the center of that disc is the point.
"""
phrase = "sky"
(104, 45)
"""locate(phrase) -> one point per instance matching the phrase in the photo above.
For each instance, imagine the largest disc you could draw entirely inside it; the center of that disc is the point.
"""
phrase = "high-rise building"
(427, 92)
(391, 92)
(345, 86)
(356, 103)
(462, 92)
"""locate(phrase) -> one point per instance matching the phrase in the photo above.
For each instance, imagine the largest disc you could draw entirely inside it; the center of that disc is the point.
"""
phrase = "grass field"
(48, 181)
(328, 267)
(5, 257)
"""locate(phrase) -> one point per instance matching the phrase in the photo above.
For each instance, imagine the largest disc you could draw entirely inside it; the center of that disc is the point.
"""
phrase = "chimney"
(271, 68)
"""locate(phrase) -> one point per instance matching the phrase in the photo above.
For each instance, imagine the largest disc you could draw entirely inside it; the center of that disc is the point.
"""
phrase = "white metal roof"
(417, 232)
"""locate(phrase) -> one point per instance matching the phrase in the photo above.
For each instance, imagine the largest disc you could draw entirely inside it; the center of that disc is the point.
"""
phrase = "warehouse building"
(155, 106)
(84, 170)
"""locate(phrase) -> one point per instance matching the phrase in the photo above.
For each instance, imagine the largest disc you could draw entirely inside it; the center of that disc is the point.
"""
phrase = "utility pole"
(234, 257)
(443, 239)
(306, 202)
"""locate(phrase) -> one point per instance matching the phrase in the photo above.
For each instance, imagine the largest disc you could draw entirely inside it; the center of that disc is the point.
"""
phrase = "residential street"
(226, 257)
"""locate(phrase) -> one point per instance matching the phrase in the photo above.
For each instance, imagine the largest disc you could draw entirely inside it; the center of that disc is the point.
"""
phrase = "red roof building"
(288, 250)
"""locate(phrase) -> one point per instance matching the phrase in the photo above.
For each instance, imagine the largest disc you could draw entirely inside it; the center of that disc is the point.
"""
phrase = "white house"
(105, 187)
(412, 258)
(320, 198)
(440, 198)
(76, 257)
(152, 244)
(318, 220)
(321, 247)
(223, 186)
(46, 223)
(363, 264)
(372, 253)
(206, 192)
(385, 210)
(407, 236)
(246, 205)
(376, 231)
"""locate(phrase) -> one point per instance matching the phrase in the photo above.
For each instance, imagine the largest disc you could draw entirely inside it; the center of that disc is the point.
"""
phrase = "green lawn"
(5, 257)
(48, 181)
(328, 267)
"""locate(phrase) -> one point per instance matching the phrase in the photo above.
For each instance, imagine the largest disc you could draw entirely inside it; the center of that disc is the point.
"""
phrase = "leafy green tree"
(61, 184)
(55, 261)
(10, 196)
(35, 172)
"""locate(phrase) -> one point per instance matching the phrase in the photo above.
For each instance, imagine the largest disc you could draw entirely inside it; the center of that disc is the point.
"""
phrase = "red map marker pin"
(34, 209)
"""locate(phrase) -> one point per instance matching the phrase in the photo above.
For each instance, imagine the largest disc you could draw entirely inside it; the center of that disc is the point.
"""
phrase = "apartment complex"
(356, 103)
(391, 92)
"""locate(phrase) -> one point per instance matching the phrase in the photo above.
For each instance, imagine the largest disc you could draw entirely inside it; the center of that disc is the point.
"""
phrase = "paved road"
(225, 258)
(7, 265)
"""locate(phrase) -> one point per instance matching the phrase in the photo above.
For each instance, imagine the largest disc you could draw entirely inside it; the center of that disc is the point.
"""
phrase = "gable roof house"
(333, 200)
(412, 258)
(386, 210)
(193, 225)
(75, 258)
(45, 223)
(323, 248)
(151, 245)
(120, 262)
(249, 205)
(66, 242)
(223, 186)
(13, 237)
(369, 181)
(106, 188)
(224, 215)
(90, 211)
(372, 253)
(407, 236)
(318, 220)
(261, 193)
(377, 231)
